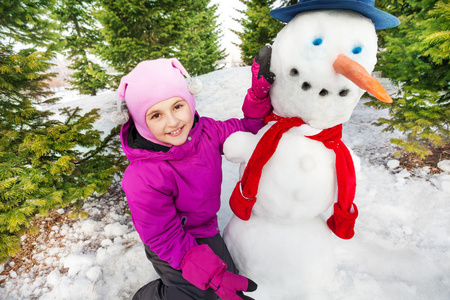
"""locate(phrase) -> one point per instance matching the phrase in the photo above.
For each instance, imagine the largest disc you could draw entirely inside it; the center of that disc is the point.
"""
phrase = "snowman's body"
(286, 246)
(307, 276)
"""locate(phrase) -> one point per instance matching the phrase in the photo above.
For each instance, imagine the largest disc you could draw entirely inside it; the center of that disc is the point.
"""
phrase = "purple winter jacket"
(174, 197)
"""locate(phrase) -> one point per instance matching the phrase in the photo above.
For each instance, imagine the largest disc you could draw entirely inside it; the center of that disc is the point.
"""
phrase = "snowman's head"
(303, 54)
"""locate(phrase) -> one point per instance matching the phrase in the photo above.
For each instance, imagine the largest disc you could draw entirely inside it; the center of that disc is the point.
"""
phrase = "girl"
(174, 178)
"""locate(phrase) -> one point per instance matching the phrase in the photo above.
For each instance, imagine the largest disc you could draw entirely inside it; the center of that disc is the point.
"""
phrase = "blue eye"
(357, 50)
(317, 42)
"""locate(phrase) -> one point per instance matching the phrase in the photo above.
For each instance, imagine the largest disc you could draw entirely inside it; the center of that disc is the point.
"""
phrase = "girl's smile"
(170, 121)
(176, 132)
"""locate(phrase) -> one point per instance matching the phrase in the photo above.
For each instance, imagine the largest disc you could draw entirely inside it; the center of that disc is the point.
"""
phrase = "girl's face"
(170, 121)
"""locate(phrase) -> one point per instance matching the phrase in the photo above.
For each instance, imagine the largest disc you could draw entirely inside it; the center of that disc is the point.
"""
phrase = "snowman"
(296, 169)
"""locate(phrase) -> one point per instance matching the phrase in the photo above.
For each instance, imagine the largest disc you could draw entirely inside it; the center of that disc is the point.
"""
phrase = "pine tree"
(416, 57)
(198, 48)
(22, 21)
(44, 163)
(80, 37)
(21, 80)
(135, 30)
(259, 28)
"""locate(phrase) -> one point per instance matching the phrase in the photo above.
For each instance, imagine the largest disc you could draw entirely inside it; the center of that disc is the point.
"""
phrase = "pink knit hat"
(152, 81)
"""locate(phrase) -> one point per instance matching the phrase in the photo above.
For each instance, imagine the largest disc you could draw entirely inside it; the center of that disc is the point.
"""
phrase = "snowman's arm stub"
(239, 146)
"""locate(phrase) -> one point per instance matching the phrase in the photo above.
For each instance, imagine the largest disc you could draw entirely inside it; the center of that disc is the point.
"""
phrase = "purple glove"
(204, 269)
(262, 78)
(257, 101)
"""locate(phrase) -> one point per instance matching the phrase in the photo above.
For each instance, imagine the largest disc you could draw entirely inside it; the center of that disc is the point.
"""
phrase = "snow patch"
(78, 262)
(115, 229)
(393, 163)
(444, 165)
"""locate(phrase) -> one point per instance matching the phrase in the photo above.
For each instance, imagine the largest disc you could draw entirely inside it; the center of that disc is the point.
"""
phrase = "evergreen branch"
(105, 142)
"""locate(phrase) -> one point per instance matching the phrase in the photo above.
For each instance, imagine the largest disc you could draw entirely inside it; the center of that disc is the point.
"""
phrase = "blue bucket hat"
(380, 19)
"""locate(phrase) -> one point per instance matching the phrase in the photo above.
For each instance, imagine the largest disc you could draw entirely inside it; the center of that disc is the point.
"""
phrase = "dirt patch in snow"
(412, 161)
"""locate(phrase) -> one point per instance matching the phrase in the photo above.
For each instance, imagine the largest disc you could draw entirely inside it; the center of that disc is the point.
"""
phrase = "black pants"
(172, 286)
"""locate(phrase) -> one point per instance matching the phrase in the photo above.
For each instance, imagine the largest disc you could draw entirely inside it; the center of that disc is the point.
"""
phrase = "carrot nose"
(359, 76)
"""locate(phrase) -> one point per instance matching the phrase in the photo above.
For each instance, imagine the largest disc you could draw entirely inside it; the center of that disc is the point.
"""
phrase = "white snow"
(401, 249)
(444, 165)
(393, 163)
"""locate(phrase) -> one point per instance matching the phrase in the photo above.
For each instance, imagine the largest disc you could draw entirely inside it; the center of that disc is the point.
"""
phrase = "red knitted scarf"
(244, 195)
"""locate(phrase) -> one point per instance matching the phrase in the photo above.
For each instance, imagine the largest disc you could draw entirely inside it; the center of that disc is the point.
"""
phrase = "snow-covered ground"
(401, 249)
